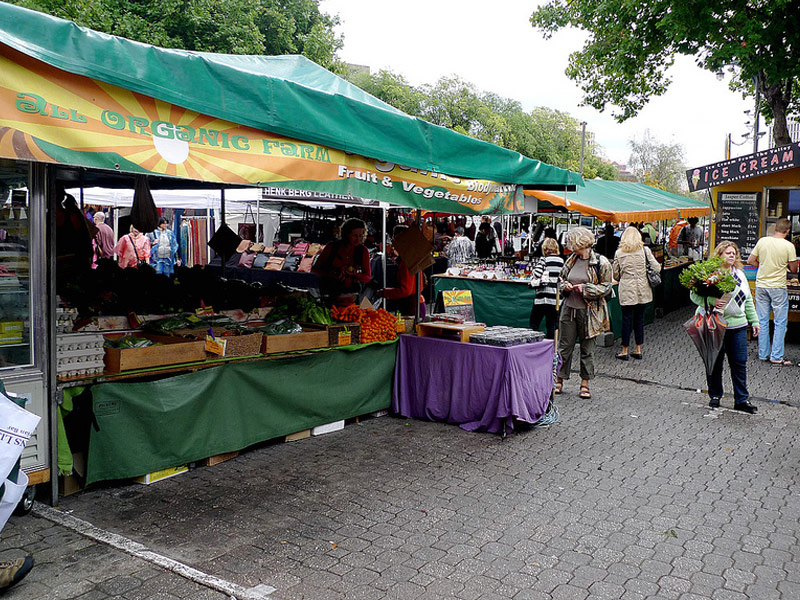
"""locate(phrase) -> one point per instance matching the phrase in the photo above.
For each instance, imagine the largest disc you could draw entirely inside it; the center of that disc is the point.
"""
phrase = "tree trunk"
(778, 102)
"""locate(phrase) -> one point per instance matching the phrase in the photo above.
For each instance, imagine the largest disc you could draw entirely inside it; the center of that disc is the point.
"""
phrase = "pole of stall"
(417, 279)
(383, 247)
(258, 215)
(222, 260)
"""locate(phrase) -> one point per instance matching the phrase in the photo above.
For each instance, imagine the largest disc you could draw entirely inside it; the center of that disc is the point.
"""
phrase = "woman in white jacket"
(630, 270)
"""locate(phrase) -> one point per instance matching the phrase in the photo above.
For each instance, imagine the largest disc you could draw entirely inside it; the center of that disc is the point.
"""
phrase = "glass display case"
(16, 340)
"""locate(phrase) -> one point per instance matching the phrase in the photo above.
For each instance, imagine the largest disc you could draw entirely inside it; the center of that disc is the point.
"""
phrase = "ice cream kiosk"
(748, 195)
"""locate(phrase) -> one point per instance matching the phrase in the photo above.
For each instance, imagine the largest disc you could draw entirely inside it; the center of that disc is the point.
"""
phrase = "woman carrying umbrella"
(738, 310)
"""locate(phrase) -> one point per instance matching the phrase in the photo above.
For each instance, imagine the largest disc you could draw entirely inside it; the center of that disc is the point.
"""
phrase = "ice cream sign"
(744, 167)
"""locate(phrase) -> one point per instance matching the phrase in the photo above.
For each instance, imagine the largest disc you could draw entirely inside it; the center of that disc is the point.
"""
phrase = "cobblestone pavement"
(640, 492)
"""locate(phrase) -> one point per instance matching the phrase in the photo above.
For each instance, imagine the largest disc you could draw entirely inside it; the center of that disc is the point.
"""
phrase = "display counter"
(509, 302)
(480, 388)
(162, 420)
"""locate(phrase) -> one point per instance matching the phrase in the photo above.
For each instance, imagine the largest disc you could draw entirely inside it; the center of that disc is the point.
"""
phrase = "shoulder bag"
(653, 277)
(139, 260)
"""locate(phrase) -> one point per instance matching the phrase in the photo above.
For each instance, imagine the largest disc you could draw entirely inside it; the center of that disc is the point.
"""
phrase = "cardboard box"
(327, 428)
(415, 250)
(162, 474)
(169, 351)
(312, 337)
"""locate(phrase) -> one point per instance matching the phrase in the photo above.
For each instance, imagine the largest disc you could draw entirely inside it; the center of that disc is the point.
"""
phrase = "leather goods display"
(313, 249)
(291, 262)
(244, 246)
(305, 264)
(283, 248)
(246, 259)
(275, 263)
(300, 248)
(261, 261)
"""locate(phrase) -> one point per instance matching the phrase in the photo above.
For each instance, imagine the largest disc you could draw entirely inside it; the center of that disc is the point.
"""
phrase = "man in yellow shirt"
(773, 256)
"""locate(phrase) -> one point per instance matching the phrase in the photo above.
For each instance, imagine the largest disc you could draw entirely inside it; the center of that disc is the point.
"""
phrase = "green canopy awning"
(286, 95)
(619, 201)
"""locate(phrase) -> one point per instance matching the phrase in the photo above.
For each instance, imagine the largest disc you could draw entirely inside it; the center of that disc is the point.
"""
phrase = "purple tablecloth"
(482, 388)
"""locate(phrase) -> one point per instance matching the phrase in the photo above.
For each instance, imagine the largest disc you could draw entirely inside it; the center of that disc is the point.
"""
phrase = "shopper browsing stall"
(630, 270)
(773, 256)
(738, 310)
(163, 248)
(585, 282)
(460, 249)
(544, 279)
(343, 265)
(132, 249)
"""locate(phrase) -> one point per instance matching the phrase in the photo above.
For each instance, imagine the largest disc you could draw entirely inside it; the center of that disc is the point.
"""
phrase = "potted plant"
(708, 278)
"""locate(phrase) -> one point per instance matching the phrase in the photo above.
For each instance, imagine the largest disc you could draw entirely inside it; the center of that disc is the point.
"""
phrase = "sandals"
(585, 393)
(559, 386)
(781, 363)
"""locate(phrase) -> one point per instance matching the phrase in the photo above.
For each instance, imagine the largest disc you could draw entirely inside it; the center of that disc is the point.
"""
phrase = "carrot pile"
(376, 325)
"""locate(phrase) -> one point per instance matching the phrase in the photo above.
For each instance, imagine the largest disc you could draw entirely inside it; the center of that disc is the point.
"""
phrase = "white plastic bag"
(12, 493)
(16, 427)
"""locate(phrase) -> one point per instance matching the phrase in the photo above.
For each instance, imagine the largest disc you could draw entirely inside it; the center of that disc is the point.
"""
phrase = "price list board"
(738, 220)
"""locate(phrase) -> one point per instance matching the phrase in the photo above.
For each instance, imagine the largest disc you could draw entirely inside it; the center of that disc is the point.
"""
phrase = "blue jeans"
(735, 347)
(775, 300)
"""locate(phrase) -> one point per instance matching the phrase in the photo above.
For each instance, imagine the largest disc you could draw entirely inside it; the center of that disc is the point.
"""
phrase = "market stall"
(67, 121)
(748, 195)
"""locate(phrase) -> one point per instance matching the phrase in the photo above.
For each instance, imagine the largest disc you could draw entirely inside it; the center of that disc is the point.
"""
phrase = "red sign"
(744, 167)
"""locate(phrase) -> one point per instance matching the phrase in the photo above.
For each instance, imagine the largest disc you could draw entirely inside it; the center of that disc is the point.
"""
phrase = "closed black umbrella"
(707, 331)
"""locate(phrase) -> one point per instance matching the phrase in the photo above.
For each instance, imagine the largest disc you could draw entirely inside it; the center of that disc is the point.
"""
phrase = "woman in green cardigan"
(737, 312)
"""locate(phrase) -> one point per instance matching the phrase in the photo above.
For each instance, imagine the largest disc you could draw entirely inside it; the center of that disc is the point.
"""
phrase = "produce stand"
(481, 388)
(68, 122)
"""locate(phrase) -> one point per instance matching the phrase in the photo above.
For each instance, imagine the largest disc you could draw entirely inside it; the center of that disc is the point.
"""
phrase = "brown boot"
(13, 571)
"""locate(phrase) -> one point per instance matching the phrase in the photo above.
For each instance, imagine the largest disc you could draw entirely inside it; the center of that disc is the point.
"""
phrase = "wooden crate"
(170, 351)
(312, 337)
(239, 345)
(448, 330)
(219, 458)
(338, 334)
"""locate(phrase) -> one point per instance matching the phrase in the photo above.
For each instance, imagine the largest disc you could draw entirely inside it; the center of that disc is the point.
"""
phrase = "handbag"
(247, 260)
(261, 260)
(247, 231)
(653, 278)
(139, 261)
(305, 264)
(224, 242)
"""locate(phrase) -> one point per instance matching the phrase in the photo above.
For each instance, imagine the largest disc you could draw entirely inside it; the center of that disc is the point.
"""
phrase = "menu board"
(738, 219)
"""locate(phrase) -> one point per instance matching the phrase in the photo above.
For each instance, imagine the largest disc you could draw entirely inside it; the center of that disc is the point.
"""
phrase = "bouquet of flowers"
(708, 278)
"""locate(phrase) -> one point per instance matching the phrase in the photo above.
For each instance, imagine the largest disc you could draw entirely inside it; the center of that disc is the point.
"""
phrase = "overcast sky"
(492, 45)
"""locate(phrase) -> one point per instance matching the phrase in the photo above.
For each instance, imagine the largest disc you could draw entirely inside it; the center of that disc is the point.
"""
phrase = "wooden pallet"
(449, 330)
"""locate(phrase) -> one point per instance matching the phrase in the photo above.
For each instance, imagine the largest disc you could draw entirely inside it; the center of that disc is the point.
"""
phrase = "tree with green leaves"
(271, 27)
(632, 43)
(545, 134)
(657, 164)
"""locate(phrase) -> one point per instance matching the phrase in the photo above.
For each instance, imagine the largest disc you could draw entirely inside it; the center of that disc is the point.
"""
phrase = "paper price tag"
(345, 338)
(216, 345)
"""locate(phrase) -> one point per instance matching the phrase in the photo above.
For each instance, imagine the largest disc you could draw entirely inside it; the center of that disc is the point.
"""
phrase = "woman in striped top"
(546, 273)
